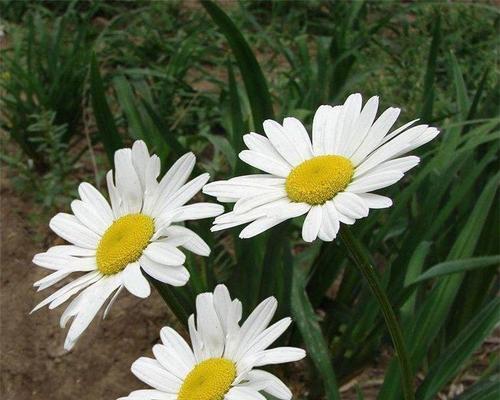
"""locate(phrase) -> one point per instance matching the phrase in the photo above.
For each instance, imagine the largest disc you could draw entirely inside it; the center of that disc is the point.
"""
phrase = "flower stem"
(368, 272)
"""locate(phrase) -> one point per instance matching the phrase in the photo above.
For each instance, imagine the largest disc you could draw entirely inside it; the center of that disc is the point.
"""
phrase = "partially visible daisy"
(222, 362)
(331, 178)
(111, 243)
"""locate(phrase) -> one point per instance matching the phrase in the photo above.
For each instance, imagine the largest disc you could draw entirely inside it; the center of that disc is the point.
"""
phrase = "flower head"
(329, 178)
(221, 363)
(111, 242)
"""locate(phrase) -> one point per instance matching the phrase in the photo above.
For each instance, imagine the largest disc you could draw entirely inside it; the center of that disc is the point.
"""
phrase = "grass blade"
(456, 266)
(459, 350)
(255, 83)
(306, 320)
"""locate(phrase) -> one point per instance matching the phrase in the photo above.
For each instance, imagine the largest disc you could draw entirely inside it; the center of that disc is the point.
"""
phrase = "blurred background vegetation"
(79, 79)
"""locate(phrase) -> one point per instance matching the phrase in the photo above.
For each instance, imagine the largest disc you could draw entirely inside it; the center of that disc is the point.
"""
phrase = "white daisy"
(111, 243)
(220, 365)
(331, 179)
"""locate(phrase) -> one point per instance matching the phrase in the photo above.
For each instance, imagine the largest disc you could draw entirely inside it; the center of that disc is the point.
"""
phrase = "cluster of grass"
(79, 75)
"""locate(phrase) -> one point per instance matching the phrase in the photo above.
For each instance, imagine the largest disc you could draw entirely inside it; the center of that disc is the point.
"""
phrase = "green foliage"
(44, 70)
(187, 79)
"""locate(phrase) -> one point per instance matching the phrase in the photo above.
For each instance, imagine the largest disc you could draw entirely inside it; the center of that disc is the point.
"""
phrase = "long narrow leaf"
(317, 348)
(459, 350)
(456, 266)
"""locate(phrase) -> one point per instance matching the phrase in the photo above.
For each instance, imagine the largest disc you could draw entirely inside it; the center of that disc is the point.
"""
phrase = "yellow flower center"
(123, 242)
(209, 380)
(319, 179)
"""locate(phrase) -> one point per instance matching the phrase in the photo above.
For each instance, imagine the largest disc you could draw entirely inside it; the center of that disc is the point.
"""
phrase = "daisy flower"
(330, 179)
(111, 242)
(221, 363)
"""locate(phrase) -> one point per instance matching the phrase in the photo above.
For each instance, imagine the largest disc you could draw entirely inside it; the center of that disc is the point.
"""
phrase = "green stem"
(366, 269)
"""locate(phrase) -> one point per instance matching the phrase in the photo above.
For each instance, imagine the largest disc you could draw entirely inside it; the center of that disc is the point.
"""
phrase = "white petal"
(375, 200)
(57, 262)
(183, 195)
(243, 393)
(181, 236)
(402, 164)
(149, 394)
(261, 144)
(173, 275)
(164, 253)
(258, 226)
(398, 131)
(111, 302)
(71, 229)
(239, 189)
(197, 211)
(173, 340)
(329, 224)
(332, 130)
(93, 298)
(257, 321)
(69, 289)
(135, 282)
(392, 149)
(248, 203)
(265, 163)
(273, 385)
(89, 217)
(90, 195)
(348, 117)
(153, 374)
(370, 182)
(114, 197)
(167, 357)
(283, 142)
(351, 205)
(376, 133)
(127, 182)
(140, 159)
(312, 224)
(173, 180)
(299, 137)
(286, 211)
(362, 125)
(199, 350)
(208, 325)
(280, 355)
(71, 250)
(319, 129)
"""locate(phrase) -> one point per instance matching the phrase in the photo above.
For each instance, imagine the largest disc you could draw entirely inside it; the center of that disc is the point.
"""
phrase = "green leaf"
(107, 130)
(432, 314)
(487, 388)
(306, 320)
(461, 90)
(414, 269)
(255, 83)
(459, 350)
(456, 266)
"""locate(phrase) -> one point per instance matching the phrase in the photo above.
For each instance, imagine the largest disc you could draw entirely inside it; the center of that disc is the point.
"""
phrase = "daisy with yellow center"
(222, 362)
(112, 243)
(330, 178)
